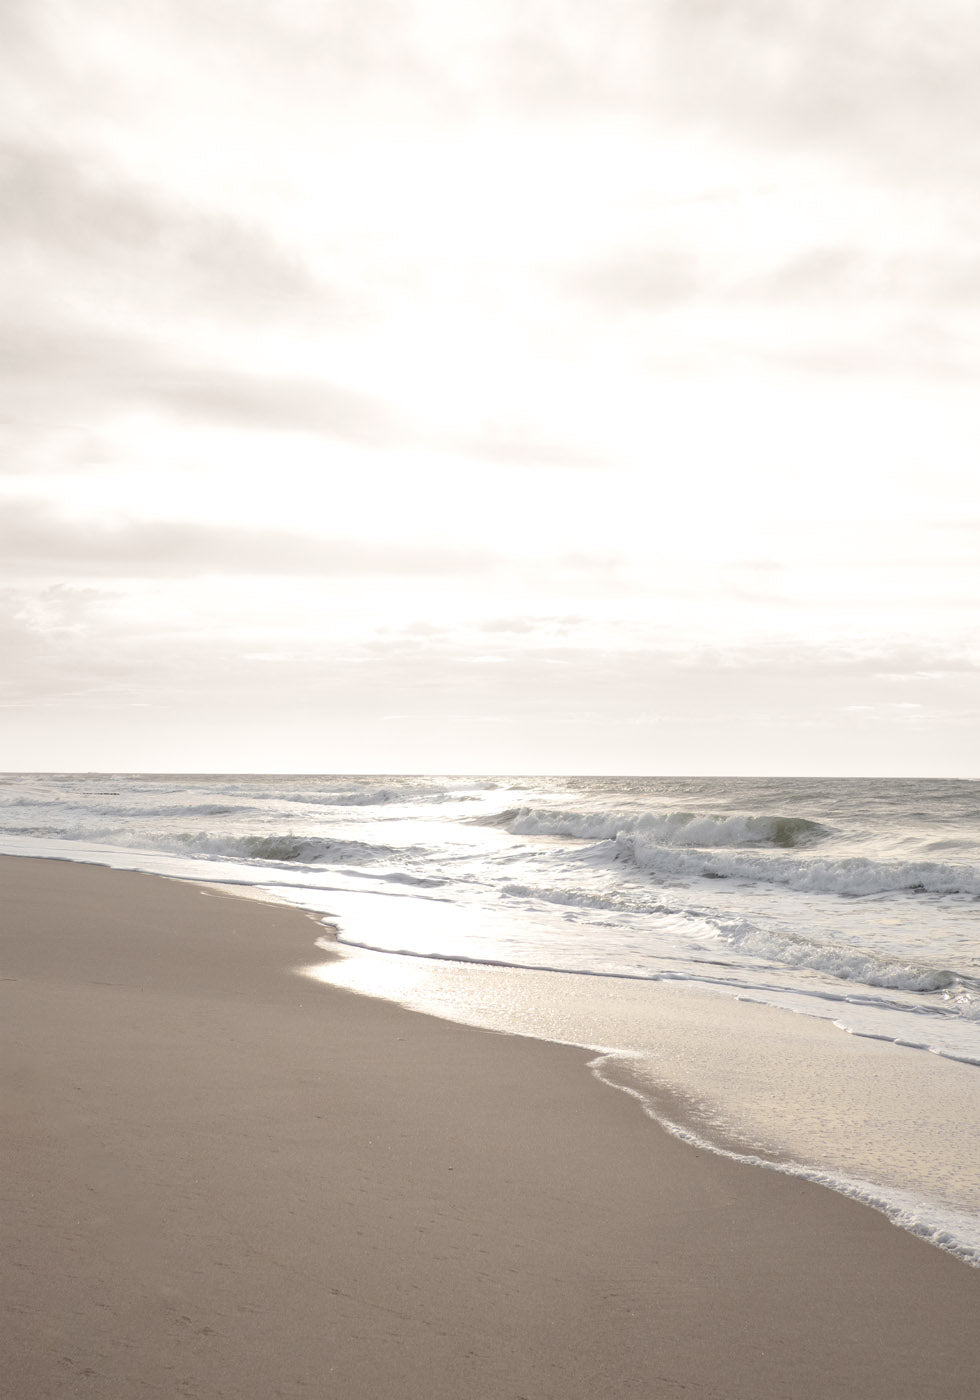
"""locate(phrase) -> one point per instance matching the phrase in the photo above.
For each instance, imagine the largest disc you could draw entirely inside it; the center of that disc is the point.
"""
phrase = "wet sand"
(222, 1179)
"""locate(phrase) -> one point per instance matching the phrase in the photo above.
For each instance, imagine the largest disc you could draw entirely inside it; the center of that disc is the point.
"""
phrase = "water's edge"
(478, 993)
(424, 987)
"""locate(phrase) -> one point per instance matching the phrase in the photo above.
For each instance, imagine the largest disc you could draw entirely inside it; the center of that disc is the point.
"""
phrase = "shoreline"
(225, 1179)
(890, 1126)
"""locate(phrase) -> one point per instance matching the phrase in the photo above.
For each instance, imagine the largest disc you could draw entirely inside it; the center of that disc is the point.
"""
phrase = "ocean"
(783, 970)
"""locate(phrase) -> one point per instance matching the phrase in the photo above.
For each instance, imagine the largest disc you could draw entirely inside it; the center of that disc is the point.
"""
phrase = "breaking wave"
(670, 828)
(846, 963)
(285, 848)
(835, 960)
(851, 875)
(678, 846)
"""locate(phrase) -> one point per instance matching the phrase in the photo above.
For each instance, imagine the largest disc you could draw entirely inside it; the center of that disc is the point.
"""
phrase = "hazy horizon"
(459, 773)
(490, 389)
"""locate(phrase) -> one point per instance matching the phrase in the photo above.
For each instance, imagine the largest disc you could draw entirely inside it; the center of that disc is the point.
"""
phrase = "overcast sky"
(490, 385)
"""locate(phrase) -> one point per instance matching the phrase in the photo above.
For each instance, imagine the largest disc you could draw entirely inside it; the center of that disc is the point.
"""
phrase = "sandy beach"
(222, 1179)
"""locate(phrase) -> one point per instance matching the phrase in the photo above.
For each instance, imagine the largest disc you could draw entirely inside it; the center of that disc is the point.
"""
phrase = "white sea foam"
(612, 900)
(792, 949)
(849, 964)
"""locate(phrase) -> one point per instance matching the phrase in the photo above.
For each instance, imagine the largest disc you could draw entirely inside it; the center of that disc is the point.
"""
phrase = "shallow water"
(890, 1126)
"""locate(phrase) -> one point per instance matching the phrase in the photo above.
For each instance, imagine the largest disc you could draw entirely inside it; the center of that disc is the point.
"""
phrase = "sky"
(553, 386)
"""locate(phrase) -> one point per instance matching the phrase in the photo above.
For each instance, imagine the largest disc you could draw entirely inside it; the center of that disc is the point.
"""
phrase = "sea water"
(785, 970)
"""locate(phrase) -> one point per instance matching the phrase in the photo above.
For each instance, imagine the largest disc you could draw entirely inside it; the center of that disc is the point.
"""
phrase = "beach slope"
(222, 1179)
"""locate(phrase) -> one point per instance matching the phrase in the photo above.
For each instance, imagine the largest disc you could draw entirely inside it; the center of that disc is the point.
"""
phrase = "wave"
(840, 961)
(612, 901)
(836, 960)
(378, 797)
(288, 848)
(852, 875)
(398, 877)
(670, 828)
(193, 809)
(285, 848)
(231, 796)
(83, 803)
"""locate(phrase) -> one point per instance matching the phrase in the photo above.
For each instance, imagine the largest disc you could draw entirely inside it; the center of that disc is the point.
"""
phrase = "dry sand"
(224, 1180)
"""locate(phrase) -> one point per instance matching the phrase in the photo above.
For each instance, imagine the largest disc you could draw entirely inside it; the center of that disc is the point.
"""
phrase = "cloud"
(57, 645)
(520, 444)
(106, 278)
(134, 695)
(35, 540)
(252, 400)
(824, 310)
(887, 83)
(886, 80)
(653, 280)
(119, 240)
(71, 371)
(940, 277)
(62, 376)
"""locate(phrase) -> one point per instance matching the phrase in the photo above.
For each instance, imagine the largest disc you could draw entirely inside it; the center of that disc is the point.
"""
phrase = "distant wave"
(26, 801)
(670, 828)
(229, 797)
(852, 875)
(193, 809)
(285, 848)
(377, 797)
